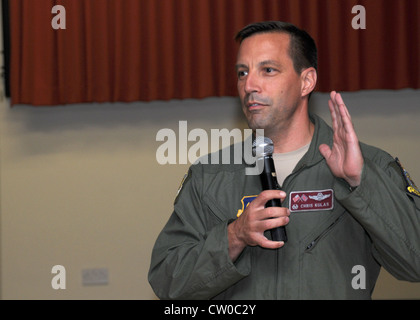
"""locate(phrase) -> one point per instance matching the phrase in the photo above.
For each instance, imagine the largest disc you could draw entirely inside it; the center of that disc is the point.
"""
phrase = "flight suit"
(338, 238)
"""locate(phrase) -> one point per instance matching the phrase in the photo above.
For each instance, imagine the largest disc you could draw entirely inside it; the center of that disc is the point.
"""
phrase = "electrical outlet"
(95, 276)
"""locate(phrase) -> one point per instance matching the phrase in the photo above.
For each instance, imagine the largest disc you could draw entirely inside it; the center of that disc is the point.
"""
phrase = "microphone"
(263, 149)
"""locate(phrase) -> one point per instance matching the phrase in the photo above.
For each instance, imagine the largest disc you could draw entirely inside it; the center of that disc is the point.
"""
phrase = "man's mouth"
(254, 105)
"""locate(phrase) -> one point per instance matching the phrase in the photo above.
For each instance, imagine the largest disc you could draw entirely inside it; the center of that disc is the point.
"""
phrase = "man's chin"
(254, 125)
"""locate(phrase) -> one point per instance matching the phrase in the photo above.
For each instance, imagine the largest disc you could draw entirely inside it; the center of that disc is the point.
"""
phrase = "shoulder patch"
(246, 200)
(181, 185)
(411, 186)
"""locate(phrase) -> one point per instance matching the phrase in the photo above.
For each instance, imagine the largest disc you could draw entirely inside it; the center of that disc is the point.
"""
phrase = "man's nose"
(252, 83)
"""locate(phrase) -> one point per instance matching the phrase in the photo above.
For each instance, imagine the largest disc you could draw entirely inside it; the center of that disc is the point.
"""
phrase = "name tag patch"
(316, 200)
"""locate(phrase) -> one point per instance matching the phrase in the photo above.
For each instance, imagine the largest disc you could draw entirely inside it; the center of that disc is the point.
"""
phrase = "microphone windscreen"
(262, 146)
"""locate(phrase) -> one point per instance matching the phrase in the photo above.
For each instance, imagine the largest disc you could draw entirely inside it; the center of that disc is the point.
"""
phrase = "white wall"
(81, 187)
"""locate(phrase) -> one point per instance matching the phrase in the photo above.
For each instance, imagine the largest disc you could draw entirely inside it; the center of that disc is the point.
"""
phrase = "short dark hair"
(303, 50)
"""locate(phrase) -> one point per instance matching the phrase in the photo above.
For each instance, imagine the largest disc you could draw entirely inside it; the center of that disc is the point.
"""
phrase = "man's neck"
(295, 135)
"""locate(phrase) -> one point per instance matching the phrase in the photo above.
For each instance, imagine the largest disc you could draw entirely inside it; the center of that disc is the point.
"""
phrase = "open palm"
(344, 158)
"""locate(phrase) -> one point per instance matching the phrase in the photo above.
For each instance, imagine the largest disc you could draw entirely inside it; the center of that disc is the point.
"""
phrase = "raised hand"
(344, 158)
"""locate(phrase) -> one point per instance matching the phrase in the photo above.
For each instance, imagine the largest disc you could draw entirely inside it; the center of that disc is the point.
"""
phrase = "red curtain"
(143, 50)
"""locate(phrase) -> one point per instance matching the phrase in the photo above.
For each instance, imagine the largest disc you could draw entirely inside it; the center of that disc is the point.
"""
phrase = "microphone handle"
(269, 182)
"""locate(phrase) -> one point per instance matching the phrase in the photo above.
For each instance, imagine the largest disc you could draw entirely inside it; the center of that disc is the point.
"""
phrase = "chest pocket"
(214, 212)
(313, 215)
(310, 242)
(227, 194)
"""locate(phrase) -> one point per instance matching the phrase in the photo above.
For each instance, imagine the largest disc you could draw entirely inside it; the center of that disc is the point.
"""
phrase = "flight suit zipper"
(280, 291)
(311, 245)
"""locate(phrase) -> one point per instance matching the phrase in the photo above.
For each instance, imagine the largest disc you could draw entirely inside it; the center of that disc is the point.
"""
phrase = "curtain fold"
(143, 50)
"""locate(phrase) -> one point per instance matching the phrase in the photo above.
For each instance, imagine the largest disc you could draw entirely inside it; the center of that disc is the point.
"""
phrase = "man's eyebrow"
(261, 64)
(240, 65)
(269, 62)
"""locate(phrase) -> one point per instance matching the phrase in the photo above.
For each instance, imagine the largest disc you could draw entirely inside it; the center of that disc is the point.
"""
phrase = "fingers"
(339, 107)
(280, 218)
(325, 150)
(270, 217)
(334, 106)
(341, 119)
(265, 243)
(266, 195)
(256, 219)
(344, 157)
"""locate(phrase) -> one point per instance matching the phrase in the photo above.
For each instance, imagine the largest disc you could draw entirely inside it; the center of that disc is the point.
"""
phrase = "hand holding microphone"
(249, 228)
(263, 148)
(264, 212)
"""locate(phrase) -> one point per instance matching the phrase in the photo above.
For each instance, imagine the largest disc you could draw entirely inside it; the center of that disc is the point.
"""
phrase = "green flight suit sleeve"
(390, 215)
(190, 258)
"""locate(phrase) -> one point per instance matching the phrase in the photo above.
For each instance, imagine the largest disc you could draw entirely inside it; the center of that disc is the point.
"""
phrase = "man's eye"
(269, 70)
(242, 74)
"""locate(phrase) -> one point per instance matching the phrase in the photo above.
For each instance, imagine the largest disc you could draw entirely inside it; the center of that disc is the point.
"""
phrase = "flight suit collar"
(322, 134)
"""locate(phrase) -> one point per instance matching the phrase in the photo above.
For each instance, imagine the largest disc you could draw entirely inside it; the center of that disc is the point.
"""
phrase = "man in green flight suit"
(347, 207)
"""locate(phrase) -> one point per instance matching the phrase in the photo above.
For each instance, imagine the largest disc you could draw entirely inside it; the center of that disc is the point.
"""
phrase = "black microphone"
(263, 149)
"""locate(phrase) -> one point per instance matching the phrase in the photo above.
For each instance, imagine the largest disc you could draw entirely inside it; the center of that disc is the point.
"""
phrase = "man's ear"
(309, 78)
